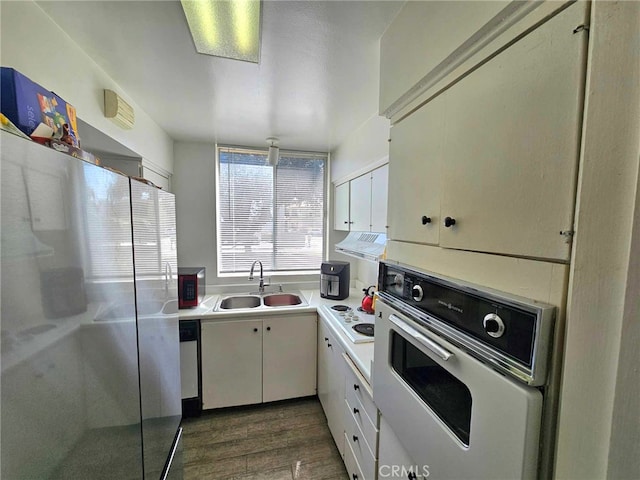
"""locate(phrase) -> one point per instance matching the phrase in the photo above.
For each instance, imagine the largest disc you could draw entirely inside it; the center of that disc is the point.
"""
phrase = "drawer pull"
(355, 438)
(354, 476)
(326, 339)
(356, 386)
(328, 345)
(355, 410)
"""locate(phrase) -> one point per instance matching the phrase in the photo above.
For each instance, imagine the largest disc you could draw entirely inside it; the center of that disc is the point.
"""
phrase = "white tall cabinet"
(490, 165)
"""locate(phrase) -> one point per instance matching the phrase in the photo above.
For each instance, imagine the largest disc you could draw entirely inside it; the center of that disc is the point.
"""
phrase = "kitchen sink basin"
(281, 300)
(240, 301)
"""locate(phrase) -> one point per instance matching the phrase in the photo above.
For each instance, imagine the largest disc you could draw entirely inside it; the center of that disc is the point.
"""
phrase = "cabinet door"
(393, 460)
(360, 203)
(512, 143)
(415, 158)
(379, 188)
(289, 357)
(231, 363)
(331, 378)
(341, 207)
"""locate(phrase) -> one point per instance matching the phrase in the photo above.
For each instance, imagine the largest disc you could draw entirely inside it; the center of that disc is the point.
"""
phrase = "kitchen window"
(274, 214)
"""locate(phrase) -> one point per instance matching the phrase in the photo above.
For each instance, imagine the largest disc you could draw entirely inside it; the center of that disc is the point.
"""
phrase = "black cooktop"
(365, 329)
(341, 308)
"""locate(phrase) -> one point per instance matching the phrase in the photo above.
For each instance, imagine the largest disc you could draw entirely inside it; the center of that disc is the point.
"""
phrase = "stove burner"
(341, 308)
(364, 329)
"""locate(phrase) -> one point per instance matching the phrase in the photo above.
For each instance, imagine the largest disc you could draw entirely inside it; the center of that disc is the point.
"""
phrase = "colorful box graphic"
(28, 104)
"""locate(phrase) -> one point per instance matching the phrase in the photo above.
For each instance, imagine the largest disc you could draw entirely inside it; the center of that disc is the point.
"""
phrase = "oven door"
(451, 412)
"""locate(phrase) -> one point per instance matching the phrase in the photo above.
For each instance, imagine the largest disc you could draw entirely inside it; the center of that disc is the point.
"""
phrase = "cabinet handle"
(268, 329)
(356, 386)
(355, 438)
(255, 329)
(354, 476)
(326, 339)
(351, 223)
(329, 345)
(345, 222)
(355, 410)
(448, 222)
(426, 219)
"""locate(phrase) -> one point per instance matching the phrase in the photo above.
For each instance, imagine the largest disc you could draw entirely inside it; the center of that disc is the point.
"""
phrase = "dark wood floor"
(286, 440)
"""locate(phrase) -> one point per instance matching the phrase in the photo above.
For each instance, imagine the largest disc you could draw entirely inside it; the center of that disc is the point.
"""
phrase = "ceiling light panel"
(225, 28)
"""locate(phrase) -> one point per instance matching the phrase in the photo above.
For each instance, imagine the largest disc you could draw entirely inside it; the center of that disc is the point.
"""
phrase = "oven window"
(448, 397)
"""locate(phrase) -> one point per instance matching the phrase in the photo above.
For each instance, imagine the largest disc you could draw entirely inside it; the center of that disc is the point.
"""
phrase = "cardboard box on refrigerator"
(28, 104)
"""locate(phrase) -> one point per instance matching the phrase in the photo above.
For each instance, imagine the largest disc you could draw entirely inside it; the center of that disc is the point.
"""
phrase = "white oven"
(454, 407)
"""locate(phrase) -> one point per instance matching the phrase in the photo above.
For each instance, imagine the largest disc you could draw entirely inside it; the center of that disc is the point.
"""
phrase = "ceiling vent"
(118, 110)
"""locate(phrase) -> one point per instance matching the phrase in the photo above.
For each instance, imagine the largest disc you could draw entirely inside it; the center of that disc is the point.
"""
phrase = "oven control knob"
(416, 293)
(493, 325)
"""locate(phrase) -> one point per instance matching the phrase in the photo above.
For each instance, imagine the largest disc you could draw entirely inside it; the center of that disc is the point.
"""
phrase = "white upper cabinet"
(379, 198)
(341, 207)
(490, 165)
(361, 204)
(414, 176)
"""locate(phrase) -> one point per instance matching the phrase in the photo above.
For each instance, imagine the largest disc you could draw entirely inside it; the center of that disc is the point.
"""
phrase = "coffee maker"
(334, 280)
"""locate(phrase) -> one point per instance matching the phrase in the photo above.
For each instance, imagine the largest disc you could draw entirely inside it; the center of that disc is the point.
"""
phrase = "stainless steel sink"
(281, 300)
(240, 301)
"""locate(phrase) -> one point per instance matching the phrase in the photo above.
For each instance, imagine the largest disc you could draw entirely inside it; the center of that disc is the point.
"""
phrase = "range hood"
(365, 245)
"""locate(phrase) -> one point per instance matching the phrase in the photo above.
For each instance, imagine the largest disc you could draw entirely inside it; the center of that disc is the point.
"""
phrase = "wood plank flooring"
(287, 440)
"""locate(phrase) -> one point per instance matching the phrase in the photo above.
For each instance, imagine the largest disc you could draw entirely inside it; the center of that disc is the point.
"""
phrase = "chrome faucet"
(261, 284)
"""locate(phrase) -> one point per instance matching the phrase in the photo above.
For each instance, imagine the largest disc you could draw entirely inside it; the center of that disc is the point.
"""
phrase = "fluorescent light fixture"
(225, 28)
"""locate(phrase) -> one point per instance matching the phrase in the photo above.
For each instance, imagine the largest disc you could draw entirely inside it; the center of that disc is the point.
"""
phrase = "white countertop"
(360, 353)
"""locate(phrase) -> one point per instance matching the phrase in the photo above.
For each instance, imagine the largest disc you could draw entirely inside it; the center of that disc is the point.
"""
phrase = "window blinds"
(271, 214)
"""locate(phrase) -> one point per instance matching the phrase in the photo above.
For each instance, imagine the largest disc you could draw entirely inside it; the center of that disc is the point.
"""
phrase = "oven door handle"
(441, 352)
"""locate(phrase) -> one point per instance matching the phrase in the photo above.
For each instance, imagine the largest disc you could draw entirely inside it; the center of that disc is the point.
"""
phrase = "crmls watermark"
(403, 471)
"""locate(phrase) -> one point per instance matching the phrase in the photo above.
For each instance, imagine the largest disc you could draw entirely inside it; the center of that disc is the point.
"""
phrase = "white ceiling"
(316, 82)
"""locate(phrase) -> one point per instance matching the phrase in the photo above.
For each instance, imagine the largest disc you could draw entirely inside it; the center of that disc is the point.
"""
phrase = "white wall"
(35, 46)
(194, 185)
(599, 422)
(365, 145)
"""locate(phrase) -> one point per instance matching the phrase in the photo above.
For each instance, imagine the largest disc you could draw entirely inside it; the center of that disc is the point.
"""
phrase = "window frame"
(265, 151)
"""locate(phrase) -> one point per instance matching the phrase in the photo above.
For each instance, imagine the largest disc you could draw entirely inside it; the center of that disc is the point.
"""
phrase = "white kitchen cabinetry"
(331, 378)
(361, 421)
(231, 363)
(394, 461)
(289, 357)
(365, 209)
(506, 167)
(415, 173)
(360, 202)
(262, 360)
(379, 198)
(341, 207)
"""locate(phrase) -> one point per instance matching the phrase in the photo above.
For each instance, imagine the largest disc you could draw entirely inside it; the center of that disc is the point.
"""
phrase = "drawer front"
(369, 430)
(354, 471)
(357, 385)
(358, 444)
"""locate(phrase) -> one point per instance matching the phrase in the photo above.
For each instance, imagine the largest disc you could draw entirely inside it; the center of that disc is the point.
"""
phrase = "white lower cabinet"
(259, 360)
(331, 378)
(231, 363)
(393, 461)
(288, 357)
